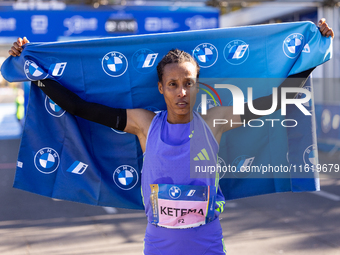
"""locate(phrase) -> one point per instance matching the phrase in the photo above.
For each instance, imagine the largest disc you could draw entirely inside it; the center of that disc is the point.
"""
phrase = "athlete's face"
(179, 87)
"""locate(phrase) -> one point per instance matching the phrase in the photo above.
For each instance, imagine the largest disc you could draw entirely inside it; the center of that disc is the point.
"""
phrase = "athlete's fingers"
(327, 31)
(330, 33)
(25, 40)
(19, 41)
(323, 27)
(14, 52)
(16, 49)
(322, 21)
(322, 24)
(10, 52)
(17, 46)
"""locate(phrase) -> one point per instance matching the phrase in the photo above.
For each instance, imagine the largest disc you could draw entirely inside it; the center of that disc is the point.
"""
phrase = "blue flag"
(66, 157)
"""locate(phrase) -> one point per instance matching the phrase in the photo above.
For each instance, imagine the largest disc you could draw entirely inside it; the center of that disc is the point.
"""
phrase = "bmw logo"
(144, 60)
(236, 52)
(46, 160)
(241, 162)
(310, 155)
(125, 177)
(33, 72)
(52, 108)
(114, 64)
(293, 45)
(205, 54)
(174, 192)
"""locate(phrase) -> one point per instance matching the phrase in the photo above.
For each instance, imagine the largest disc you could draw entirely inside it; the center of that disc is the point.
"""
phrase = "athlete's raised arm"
(262, 103)
(134, 121)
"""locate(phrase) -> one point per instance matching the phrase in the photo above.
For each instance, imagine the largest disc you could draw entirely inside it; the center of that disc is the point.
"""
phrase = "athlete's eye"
(190, 83)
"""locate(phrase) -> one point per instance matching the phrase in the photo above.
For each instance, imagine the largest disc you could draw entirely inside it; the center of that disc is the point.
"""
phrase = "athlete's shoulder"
(138, 120)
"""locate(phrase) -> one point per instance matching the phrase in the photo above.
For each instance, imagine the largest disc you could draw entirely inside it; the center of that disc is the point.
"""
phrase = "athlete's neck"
(179, 118)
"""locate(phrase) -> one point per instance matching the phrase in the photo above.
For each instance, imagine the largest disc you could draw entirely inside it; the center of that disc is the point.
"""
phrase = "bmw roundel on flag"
(293, 45)
(46, 160)
(125, 177)
(114, 64)
(67, 157)
(205, 54)
(33, 71)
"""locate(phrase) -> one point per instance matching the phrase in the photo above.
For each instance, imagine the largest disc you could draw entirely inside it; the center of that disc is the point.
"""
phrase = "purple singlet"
(182, 209)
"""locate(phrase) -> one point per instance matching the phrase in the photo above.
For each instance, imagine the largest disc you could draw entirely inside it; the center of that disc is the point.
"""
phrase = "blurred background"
(306, 223)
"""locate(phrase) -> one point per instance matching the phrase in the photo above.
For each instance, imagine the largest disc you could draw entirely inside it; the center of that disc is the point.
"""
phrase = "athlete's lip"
(182, 104)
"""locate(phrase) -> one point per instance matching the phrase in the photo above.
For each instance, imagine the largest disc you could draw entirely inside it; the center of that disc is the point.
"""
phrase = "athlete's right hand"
(16, 49)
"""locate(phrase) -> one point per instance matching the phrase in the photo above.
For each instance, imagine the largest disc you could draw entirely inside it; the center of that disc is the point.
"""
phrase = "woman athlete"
(182, 211)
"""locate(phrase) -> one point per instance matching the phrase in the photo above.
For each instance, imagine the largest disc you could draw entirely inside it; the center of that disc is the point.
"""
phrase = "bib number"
(182, 206)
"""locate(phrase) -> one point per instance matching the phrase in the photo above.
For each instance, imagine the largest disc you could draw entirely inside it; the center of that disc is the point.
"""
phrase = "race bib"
(182, 206)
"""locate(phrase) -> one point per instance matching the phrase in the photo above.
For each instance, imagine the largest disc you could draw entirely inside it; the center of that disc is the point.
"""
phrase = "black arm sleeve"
(70, 102)
(265, 103)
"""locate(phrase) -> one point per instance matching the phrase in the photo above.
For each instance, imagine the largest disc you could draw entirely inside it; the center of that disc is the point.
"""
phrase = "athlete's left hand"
(325, 29)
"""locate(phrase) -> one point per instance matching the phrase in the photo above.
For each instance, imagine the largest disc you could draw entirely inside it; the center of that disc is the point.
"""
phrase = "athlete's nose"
(183, 92)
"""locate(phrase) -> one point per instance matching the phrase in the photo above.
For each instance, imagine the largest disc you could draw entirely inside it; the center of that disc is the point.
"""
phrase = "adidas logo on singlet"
(203, 155)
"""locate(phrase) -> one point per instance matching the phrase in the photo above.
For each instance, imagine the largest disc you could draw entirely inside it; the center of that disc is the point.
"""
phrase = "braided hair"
(175, 56)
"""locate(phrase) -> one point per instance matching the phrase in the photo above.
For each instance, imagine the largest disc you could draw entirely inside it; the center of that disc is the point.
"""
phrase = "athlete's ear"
(160, 87)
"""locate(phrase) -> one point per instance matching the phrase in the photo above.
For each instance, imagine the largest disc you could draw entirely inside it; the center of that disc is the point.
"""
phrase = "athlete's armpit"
(138, 123)
(72, 103)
